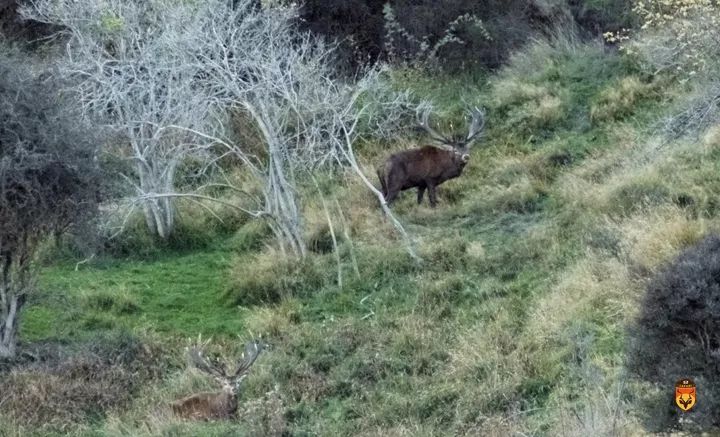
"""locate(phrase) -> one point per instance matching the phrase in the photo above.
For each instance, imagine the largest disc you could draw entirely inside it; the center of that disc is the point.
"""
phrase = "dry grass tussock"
(598, 412)
(70, 387)
(275, 322)
(620, 99)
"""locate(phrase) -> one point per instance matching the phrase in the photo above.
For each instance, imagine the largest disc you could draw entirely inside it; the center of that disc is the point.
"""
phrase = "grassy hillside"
(534, 263)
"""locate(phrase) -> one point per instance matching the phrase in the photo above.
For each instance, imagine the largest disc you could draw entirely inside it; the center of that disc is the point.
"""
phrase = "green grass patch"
(176, 294)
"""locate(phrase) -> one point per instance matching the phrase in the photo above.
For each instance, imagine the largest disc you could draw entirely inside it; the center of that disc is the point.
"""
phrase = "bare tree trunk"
(159, 212)
(283, 206)
(8, 333)
(12, 299)
(280, 197)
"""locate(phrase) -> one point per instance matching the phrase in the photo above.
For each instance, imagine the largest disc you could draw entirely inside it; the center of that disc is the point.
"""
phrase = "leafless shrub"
(405, 48)
(126, 61)
(255, 61)
(697, 113)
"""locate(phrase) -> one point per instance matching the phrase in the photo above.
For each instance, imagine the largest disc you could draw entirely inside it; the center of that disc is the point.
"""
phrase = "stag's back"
(205, 406)
(417, 165)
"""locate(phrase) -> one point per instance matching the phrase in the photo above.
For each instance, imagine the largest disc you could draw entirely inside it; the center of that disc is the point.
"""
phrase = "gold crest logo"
(685, 394)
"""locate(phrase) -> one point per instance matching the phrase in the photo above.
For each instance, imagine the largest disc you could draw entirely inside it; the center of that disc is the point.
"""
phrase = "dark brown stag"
(222, 404)
(429, 166)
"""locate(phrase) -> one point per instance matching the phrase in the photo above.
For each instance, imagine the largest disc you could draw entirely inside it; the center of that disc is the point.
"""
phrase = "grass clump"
(547, 86)
(639, 194)
(270, 277)
(528, 106)
(120, 302)
(619, 99)
(196, 228)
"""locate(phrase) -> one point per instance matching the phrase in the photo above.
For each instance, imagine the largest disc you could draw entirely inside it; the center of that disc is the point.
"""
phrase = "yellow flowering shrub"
(682, 36)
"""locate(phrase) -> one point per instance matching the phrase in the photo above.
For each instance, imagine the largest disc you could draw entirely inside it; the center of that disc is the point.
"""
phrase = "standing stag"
(222, 404)
(429, 166)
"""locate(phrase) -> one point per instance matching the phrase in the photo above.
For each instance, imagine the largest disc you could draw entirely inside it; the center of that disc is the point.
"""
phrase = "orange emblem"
(685, 394)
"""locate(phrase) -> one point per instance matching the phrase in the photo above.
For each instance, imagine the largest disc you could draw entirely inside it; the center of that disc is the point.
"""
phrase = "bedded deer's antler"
(223, 404)
(202, 363)
(252, 351)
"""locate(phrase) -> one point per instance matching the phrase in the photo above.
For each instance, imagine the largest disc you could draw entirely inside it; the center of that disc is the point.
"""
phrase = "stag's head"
(229, 380)
(459, 144)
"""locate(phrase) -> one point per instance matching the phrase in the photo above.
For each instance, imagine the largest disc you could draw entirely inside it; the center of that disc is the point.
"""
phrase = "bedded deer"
(429, 166)
(222, 404)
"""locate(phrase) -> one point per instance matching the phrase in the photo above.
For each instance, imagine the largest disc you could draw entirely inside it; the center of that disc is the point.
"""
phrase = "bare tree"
(285, 81)
(126, 58)
(228, 57)
(48, 181)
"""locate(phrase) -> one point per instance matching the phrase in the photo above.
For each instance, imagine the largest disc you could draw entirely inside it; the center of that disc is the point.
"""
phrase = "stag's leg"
(391, 195)
(383, 185)
(421, 192)
(432, 194)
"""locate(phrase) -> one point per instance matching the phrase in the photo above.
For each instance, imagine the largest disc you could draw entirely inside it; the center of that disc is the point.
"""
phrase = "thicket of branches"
(679, 38)
(49, 180)
(167, 76)
(129, 71)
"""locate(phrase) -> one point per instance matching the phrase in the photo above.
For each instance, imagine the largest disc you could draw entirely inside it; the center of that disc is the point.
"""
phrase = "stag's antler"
(477, 125)
(202, 363)
(252, 351)
(423, 114)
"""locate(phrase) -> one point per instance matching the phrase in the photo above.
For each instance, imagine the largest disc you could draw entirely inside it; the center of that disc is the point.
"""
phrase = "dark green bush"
(678, 334)
(196, 229)
(360, 25)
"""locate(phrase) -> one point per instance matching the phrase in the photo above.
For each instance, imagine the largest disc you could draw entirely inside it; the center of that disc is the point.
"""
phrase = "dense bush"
(678, 332)
(361, 27)
(14, 28)
(49, 178)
